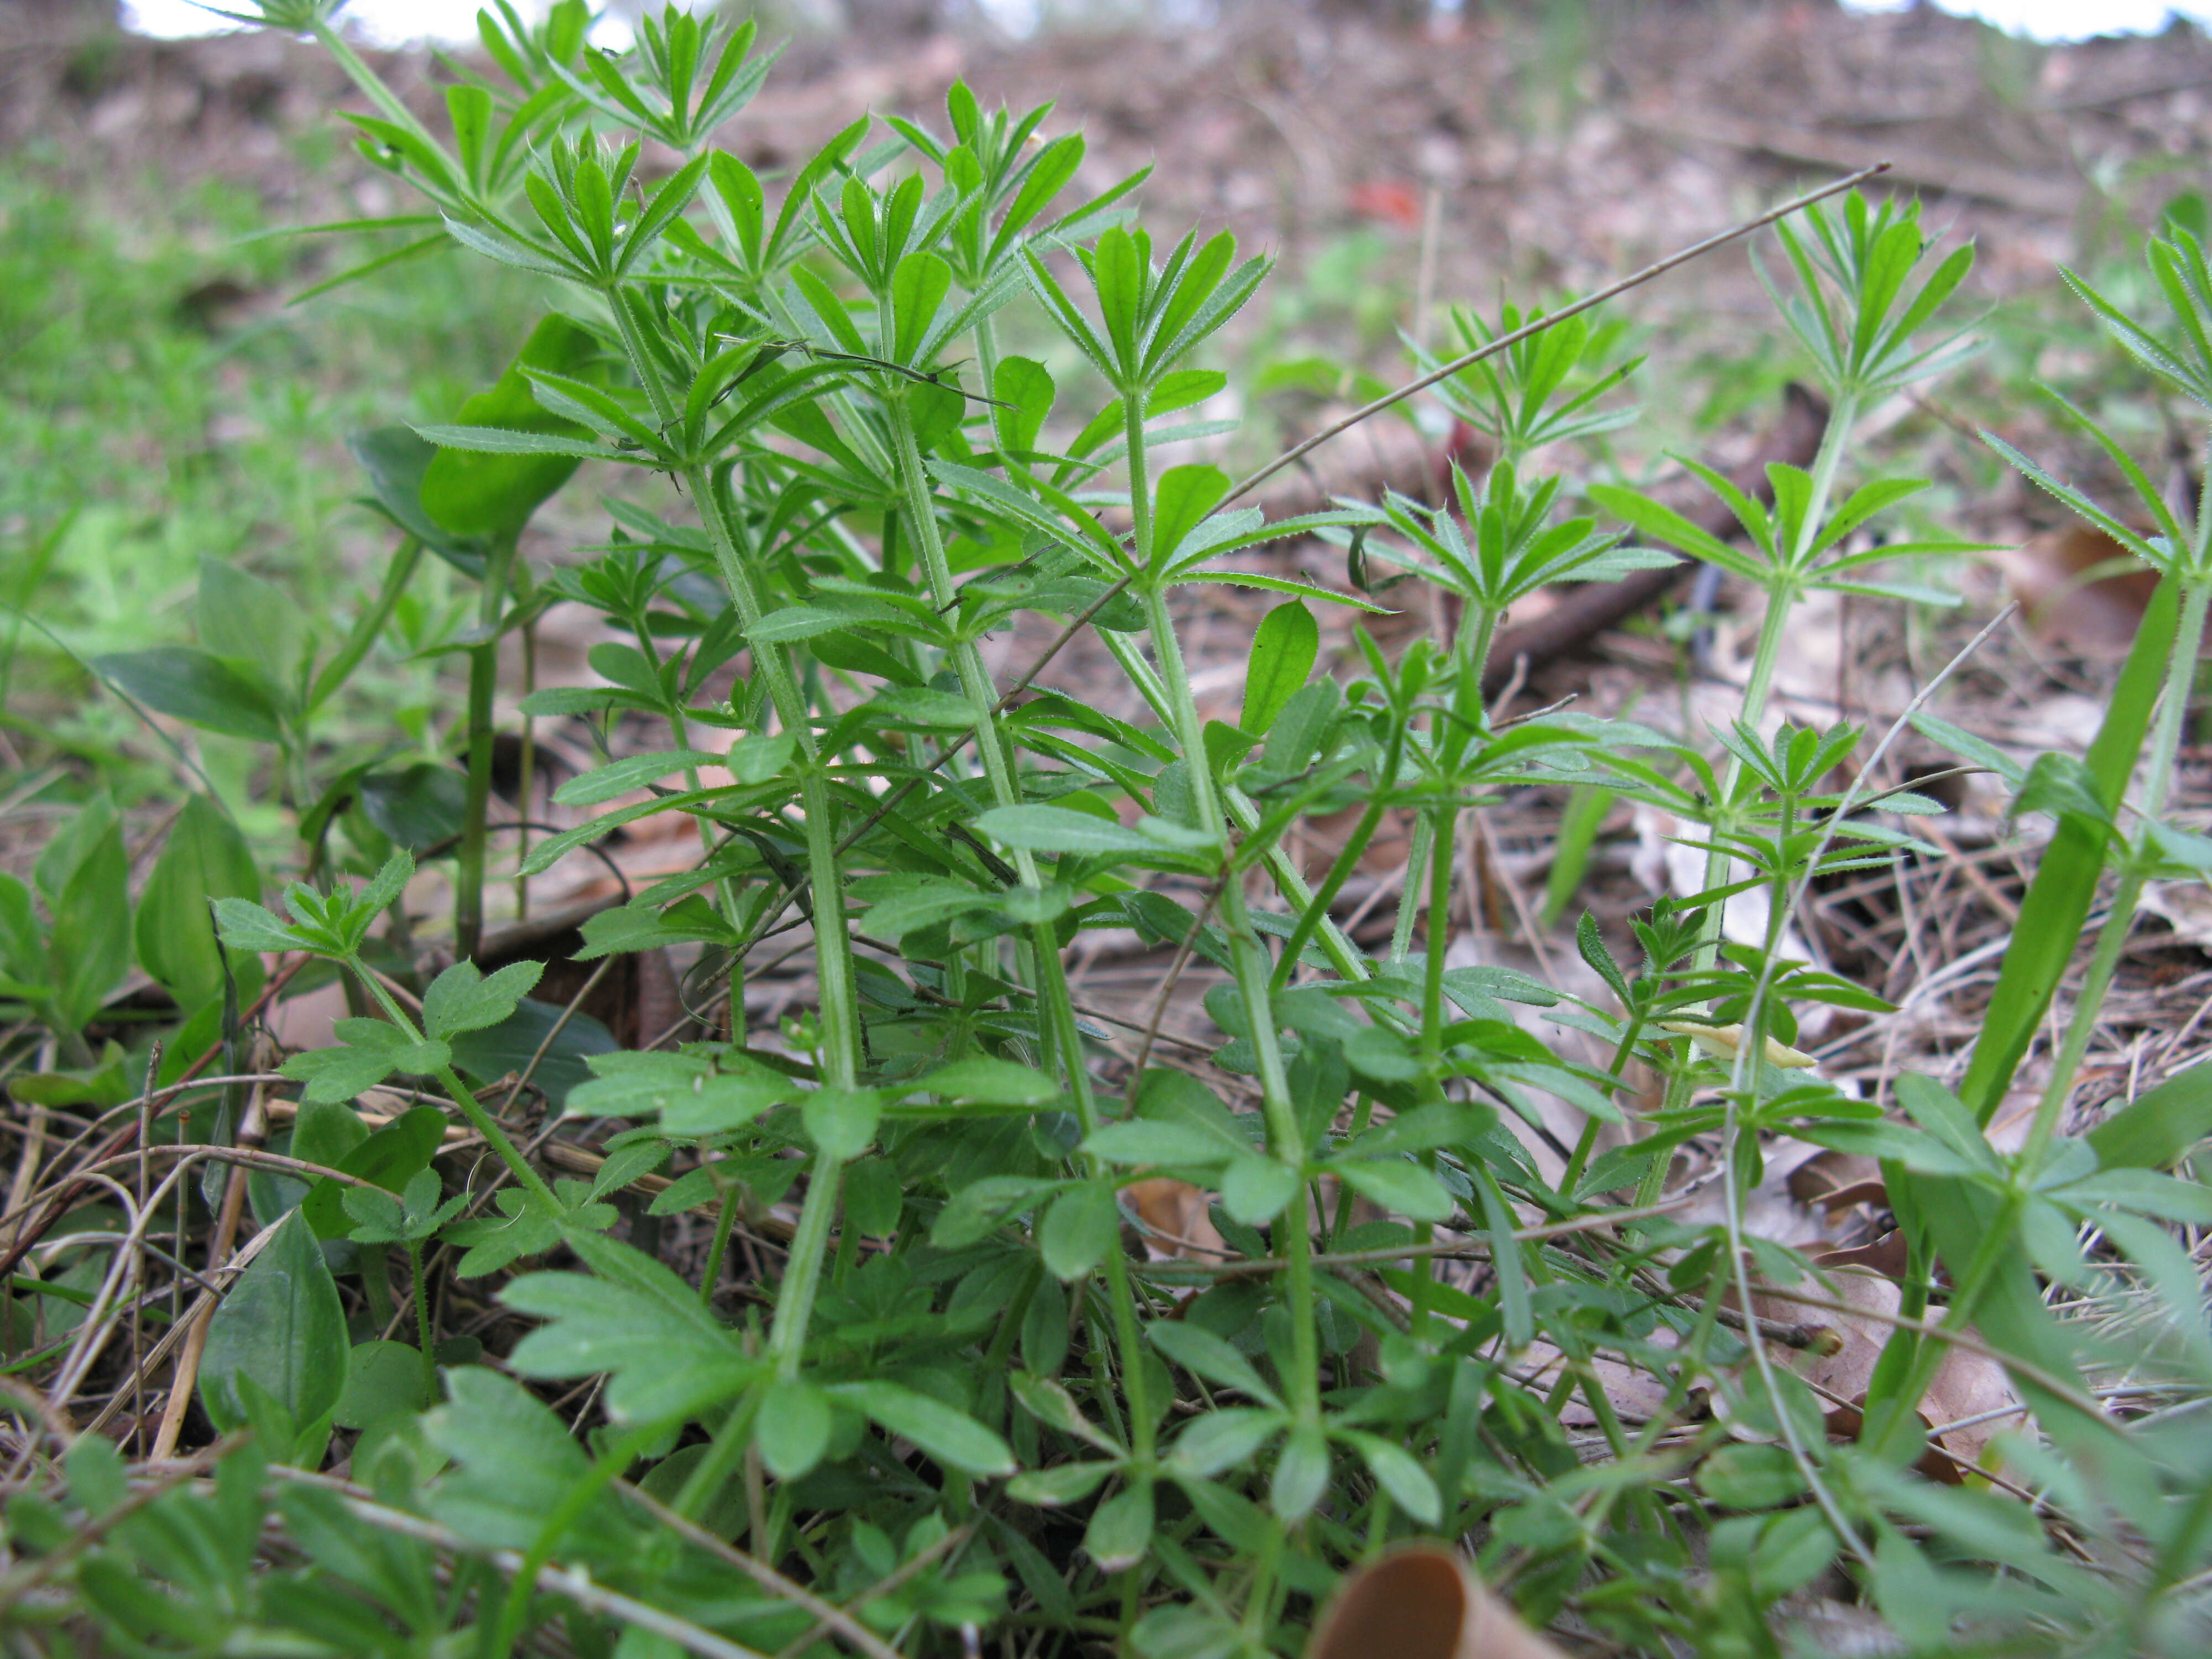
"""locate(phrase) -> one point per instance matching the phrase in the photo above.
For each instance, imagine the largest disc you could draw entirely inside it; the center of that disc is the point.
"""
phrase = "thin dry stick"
(188, 1363)
(28, 1234)
(1506, 342)
(1175, 973)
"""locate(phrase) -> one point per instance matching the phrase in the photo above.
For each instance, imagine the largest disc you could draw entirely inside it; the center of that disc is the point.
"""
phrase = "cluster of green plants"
(965, 1403)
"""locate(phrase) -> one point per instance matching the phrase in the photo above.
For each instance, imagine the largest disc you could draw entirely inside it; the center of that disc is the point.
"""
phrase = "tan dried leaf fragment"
(1422, 1602)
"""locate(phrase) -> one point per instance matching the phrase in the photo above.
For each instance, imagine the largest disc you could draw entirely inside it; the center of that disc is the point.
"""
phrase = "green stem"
(339, 668)
(1249, 962)
(802, 1276)
(484, 682)
(479, 1120)
(1054, 1002)
(388, 103)
(725, 1219)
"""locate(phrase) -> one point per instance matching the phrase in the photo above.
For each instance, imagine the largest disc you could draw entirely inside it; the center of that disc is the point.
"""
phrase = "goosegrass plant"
(957, 1397)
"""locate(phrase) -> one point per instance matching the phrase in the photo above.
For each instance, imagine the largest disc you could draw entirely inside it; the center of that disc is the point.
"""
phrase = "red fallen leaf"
(1391, 200)
(1422, 1602)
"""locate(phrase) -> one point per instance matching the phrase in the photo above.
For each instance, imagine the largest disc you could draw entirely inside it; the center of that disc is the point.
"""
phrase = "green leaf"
(2056, 904)
(1283, 654)
(1397, 1472)
(1202, 1353)
(1405, 1187)
(1300, 1474)
(631, 773)
(517, 1463)
(372, 1051)
(1255, 1190)
(280, 1328)
(1184, 497)
(1121, 1529)
(663, 1353)
(918, 288)
(396, 459)
(1078, 1229)
(419, 806)
(793, 1430)
(522, 1228)
(193, 686)
(560, 1042)
(1751, 1477)
(2156, 1128)
(383, 1380)
(1154, 1143)
(390, 1157)
(492, 495)
(952, 1437)
(1225, 1439)
(1062, 829)
(1064, 1483)
(245, 926)
(462, 999)
(841, 1123)
(988, 1081)
(90, 950)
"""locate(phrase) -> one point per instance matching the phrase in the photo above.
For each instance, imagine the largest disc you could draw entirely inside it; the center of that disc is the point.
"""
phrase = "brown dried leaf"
(2081, 590)
(1422, 1602)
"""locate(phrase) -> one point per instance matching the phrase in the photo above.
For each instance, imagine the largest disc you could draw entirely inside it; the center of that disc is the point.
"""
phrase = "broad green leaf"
(552, 1042)
(193, 686)
(1283, 654)
(383, 1380)
(492, 495)
(90, 950)
(282, 1328)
